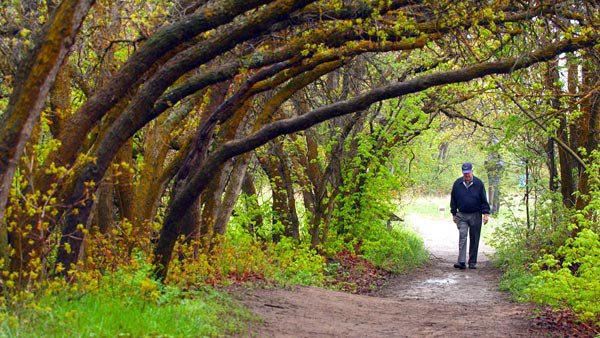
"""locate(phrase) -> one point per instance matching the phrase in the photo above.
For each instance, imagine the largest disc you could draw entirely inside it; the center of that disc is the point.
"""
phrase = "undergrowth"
(556, 264)
(124, 303)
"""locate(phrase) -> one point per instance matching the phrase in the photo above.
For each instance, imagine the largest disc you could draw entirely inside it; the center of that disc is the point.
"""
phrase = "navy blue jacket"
(469, 200)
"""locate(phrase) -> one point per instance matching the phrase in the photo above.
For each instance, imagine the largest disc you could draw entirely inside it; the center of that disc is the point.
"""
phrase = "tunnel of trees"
(131, 126)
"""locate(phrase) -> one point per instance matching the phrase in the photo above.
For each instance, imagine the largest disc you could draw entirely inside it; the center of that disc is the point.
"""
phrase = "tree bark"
(281, 218)
(588, 126)
(494, 167)
(124, 182)
(105, 205)
(210, 16)
(35, 78)
(551, 83)
(234, 188)
(567, 136)
(135, 116)
(197, 183)
(283, 170)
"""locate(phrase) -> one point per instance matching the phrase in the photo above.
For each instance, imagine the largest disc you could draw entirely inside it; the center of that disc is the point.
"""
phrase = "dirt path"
(434, 301)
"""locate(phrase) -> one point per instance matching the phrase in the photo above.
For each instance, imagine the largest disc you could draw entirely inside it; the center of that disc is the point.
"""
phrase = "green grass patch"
(113, 311)
(516, 280)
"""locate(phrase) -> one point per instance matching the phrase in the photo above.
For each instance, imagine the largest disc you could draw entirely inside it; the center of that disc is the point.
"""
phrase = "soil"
(436, 300)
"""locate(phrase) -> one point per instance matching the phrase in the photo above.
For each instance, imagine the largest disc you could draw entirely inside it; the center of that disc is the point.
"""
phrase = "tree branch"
(233, 148)
(539, 124)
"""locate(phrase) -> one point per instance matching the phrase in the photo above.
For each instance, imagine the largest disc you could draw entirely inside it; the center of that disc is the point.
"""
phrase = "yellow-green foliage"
(574, 281)
(127, 303)
(295, 263)
(239, 257)
(395, 251)
(565, 269)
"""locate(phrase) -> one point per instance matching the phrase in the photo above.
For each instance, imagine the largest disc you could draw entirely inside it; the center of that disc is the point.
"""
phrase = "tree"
(37, 73)
(258, 55)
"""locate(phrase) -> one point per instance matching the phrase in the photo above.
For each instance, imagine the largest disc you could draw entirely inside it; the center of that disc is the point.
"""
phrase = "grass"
(203, 313)
(434, 207)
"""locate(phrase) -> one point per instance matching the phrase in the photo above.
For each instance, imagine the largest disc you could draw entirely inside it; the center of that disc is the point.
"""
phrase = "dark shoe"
(472, 266)
(461, 266)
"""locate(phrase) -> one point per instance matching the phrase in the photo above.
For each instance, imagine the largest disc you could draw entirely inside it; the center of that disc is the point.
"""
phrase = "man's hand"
(486, 218)
(454, 218)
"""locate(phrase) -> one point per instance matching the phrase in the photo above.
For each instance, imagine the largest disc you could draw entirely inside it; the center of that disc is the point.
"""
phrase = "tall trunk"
(158, 169)
(279, 203)
(526, 198)
(212, 201)
(494, 167)
(197, 224)
(293, 226)
(233, 174)
(324, 183)
(551, 164)
(251, 200)
(151, 185)
(327, 215)
(105, 206)
(588, 125)
(551, 84)
(124, 183)
(567, 134)
(234, 188)
(191, 222)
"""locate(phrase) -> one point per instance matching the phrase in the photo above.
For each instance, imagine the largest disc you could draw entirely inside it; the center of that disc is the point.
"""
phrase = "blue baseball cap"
(467, 167)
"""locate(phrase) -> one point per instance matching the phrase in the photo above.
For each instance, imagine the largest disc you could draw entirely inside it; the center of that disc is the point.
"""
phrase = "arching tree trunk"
(35, 78)
(199, 180)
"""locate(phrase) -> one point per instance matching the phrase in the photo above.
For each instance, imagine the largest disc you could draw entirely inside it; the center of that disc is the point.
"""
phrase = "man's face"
(468, 176)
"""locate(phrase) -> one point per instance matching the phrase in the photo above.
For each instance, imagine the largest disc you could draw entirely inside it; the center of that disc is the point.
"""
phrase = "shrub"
(573, 280)
(296, 263)
(395, 250)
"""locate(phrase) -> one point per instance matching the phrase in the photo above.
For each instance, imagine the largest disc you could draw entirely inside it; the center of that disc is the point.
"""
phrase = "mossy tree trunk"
(35, 77)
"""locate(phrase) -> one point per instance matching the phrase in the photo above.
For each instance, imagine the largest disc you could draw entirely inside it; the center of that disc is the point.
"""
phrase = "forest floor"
(435, 300)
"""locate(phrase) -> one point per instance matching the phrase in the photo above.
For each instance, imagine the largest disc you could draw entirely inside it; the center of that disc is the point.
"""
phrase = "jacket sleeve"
(485, 206)
(453, 206)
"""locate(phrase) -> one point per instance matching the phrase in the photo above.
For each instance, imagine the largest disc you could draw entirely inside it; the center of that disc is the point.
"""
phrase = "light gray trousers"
(468, 223)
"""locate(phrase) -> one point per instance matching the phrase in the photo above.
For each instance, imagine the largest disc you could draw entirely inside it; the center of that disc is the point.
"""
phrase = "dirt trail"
(434, 301)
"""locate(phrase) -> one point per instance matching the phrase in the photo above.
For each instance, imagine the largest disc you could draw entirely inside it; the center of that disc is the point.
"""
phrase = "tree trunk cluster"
(165, 129)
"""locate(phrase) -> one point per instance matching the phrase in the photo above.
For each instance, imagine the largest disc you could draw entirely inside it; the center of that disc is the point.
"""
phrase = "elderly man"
(468, 202)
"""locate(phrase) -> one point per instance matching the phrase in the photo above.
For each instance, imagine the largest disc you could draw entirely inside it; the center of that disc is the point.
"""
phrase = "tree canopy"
(152, 118)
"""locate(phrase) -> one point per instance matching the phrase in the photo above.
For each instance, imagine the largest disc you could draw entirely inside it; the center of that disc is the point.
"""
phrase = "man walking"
(468, 202)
